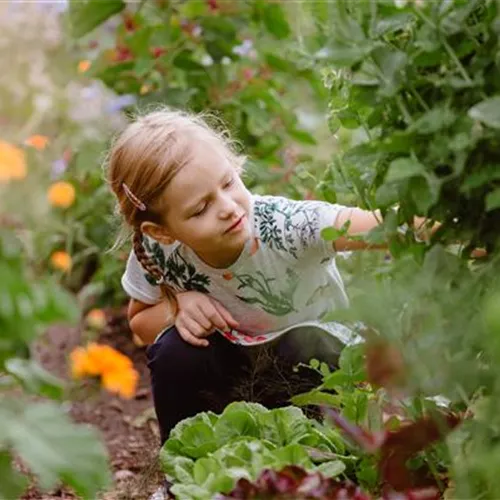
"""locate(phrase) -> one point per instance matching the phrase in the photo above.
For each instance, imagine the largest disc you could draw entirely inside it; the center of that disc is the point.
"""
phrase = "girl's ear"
(157, 232)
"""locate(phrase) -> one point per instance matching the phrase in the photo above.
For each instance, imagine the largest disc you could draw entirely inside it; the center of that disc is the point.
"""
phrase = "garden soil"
(128, 427)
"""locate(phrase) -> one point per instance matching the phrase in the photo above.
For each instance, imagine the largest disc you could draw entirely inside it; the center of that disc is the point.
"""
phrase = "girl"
(208, 256)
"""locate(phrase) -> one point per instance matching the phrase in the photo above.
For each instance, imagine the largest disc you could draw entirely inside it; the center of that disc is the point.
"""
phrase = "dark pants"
(187, 380)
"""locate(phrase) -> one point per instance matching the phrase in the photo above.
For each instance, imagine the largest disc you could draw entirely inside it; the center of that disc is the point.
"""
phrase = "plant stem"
(404, 110)
(456, 60)
(418, 97)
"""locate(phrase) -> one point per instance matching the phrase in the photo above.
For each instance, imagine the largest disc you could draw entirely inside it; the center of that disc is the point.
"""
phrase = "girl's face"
(208, 208)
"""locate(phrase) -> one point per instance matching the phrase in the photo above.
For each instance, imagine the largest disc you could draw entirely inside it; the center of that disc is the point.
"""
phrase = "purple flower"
(59, 166)
(120, 102)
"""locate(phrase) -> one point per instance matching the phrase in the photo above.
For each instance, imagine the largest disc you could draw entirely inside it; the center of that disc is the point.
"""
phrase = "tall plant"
(418, 84)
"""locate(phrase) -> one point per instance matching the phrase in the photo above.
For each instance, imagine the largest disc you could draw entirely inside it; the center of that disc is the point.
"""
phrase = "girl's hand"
(199, 315)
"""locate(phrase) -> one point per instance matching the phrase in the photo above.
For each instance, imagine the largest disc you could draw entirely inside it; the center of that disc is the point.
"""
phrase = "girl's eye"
(200, 211)
(229, 183)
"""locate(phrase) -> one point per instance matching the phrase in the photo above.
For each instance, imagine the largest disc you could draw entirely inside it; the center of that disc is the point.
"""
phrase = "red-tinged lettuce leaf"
(295, 483)
(403, 443)
(396, 447)
(385, 366)
(368, 441)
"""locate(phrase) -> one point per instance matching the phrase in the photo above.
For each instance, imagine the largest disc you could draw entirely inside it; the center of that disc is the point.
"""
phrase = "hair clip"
(133, 198)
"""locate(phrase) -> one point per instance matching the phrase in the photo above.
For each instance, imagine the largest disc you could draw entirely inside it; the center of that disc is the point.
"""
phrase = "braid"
(148, 263)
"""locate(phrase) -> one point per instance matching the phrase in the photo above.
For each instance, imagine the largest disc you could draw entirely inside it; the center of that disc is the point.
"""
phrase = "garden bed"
(128, 427)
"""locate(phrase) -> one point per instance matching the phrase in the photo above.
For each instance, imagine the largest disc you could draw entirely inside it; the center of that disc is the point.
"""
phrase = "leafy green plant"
(40, 434)
(417, 84)
(208, 453)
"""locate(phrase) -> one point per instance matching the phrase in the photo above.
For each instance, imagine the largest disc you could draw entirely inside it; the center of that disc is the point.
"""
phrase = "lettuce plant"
(209, 453)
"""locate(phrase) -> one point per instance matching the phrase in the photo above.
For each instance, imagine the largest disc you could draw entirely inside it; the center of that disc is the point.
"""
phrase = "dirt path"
(128, 427)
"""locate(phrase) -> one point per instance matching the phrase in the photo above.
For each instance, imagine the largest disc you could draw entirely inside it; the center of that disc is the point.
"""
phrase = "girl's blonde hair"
(145, 157)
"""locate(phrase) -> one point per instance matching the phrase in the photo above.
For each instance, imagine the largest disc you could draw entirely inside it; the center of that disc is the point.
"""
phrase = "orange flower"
(82, 364)
(37, 141)
(61, 260)
(84, 66)
(12, 162)
(116, 370)
(96, 319)
(61, 194)
(123, 383)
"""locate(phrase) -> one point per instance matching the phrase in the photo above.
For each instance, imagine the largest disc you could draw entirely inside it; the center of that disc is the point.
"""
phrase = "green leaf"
(175, 466)
(34, 378)
(220, 27)
(331, 469)
(203, 468)
(293, 454)
(140, 42)
(332, 233)
(387, 194)
(193, 436)
(301, 136)
(314, 363)
(493, 200)
(316, 397)
(391, 23)
(348, 55)
(85, 15)
(280, 64)
(391, 63)
(283, 426)
(481, 177)
(275, 20)
(192, 9)
(333, 122)
(12, 483)
(235, 423)
(423, 193)
(351, 362)
(190, 491)
(349, 119)
(198, 440)
(54, 448)
(433, 121)
(184, 60)
(404, 168)
(487, 112)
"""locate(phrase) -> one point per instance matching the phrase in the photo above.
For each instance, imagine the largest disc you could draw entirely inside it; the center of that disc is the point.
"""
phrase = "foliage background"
(378, 104)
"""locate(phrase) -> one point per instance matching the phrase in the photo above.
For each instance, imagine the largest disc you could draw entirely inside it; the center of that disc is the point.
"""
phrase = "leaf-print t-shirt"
(285, 277)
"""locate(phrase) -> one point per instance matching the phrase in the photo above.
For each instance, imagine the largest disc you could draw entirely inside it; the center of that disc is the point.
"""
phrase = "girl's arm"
(195, 315)
(147, 321)
(363, 221)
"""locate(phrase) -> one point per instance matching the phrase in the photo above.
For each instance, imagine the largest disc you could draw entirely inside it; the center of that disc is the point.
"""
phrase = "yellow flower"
(144, 89)
(84, 66)
(61, 260)
(37, 141)
(61, 194)
(96, 318)
(12, 162)
(116, 370)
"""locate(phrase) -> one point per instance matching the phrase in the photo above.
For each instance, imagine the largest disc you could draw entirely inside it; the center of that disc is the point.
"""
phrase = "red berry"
(158, 52)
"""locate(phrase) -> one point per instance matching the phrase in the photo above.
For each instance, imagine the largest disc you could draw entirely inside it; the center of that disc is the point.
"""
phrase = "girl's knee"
(170, 354)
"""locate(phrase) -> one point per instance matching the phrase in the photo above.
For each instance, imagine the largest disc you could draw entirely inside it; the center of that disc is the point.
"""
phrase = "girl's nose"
(228, 207)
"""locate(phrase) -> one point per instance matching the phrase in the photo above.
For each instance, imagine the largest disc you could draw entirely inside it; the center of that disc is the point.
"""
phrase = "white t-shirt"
(285, 277)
